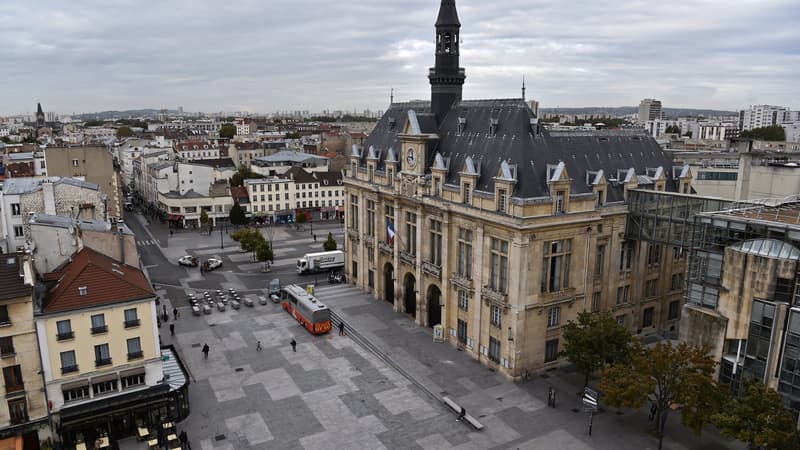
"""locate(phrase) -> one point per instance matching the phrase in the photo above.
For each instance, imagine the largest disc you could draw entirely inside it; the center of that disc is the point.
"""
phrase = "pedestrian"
(653, 411)
(164, 307)
(205, 351)
(175, 313)
(172, 329)
(461, 414)
(294, 345)
(341, 328)
(315, 237)
(258, 346)
(184, 440)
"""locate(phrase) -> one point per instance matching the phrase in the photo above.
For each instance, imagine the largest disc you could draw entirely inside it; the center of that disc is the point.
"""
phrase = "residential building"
(743, 295)
(658, 127)
(271, 197)
(243, 153)
(195, 149)
(183, 209)
(503, 240)
(278, 163)
(649, 109)
(104, 369)
(22, 197)
(318, 195)
(759, 116)
(26, 414)
(95, 164)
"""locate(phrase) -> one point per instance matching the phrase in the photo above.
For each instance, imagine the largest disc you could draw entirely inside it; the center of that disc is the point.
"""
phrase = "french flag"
(390, 230)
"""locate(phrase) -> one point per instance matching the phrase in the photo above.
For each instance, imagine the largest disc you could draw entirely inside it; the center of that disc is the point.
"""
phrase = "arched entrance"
(388, 283)
(434, 306)
(410, 295)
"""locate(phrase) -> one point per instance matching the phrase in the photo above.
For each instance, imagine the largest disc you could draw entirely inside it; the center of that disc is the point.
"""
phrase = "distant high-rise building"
(649, 109)
(534, 107)
(759, 116)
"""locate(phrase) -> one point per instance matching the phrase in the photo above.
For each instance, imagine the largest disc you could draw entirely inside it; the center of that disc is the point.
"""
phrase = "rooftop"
(18, 186)
(786, 214)
(289, 156)
(12, 285)
(67, 222)
(93, 279)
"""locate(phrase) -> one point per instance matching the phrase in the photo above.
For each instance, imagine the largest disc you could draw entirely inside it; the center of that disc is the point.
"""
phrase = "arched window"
(447, 42)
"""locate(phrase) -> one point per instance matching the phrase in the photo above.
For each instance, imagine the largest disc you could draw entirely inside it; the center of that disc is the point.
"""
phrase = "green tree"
(237, 215)
(264, 252)
(770, 133)
(666, 376)
(227, 130)
(237, 179)
(758, 418)
(594, 341)
(203, 217)
(251, 240)
(293, 135)
(330, 244)
(673, 129)
(123, 132)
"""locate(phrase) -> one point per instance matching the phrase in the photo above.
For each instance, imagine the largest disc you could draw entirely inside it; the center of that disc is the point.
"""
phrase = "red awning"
(175, 217)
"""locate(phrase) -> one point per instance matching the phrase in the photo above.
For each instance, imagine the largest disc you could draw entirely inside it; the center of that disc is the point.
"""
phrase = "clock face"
(411, 157)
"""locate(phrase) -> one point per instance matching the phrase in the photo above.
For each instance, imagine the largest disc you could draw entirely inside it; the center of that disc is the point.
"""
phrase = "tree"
(758, 418)
(666, 376)
(203, 217)
(227, 130)
(770, 133)
(264, 252)
(251, 240)
(330, 244)
(673, 129)
(292, 135)
(123, 132)
(237, 215)
(594, 341)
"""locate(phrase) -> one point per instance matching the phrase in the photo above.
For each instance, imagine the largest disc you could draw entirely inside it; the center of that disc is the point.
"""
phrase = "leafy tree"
(227, 130)
(330, 244)
(242, 174)
(594, 341)
(673, 129)
(264, 252)
(237, 215)
(251, 240)
(666, 376)
(203, 217)
(770, 133)
(239, 234)
(758, 418)
(293, 135)
(123, 132)
(93, 123)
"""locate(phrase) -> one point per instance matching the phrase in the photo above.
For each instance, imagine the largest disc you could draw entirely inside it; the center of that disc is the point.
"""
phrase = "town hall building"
(470, 215)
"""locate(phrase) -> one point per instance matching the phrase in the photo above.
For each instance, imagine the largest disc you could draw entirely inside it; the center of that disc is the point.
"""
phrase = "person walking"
(341, 328)
(172, 329)
(258, 346)
(461, 414)
(294, 345)
(175, 313)
(205, 351)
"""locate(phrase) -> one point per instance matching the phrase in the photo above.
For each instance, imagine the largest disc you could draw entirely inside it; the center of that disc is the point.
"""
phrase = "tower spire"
(446, 77)
(523, 87)
(391, 96)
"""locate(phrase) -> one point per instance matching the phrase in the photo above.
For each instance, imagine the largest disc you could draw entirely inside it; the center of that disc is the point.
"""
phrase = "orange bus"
(304, 307)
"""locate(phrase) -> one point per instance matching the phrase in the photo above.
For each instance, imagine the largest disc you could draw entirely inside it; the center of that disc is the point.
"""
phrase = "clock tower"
(446, 78)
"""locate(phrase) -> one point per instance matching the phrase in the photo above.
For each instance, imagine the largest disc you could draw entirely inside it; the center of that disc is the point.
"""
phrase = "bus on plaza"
(304, 307)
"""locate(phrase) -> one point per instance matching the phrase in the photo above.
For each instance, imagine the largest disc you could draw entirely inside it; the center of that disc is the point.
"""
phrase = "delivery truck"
(320, 262)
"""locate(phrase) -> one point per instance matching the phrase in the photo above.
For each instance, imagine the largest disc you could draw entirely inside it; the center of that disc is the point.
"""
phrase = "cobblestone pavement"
(333, 393)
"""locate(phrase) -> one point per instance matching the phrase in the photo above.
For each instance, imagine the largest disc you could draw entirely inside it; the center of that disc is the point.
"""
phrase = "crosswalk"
(146, 242)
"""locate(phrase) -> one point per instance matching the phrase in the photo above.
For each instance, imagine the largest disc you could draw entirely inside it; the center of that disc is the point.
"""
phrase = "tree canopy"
(330, 244)
(673, 129)
(758, 418)
(237, 215)
(124, 131)
(666, 376)
(594, 341)
(203, 217)
(770, 133)
(264, 251)
(242, 174)
(227, 130)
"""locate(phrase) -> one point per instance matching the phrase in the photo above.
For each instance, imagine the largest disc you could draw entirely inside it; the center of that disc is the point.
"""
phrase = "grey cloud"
(305, 54)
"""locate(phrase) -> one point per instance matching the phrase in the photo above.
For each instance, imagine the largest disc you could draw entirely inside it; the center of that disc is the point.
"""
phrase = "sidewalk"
(514, 414)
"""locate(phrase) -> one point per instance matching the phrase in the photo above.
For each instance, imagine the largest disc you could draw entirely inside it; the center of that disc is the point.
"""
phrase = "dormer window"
(493, 127)
(462, 124)
(502, 199)
(467, 194)
(390, 176)
(436, 187)
(560, 202)
(83, 290)
(391, 122)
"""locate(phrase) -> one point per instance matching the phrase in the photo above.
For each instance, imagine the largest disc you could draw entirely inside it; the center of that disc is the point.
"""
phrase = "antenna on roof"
(523, 87)
(391, 96)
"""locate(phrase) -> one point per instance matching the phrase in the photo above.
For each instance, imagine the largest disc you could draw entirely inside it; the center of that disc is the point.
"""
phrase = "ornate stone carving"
(432, 269)
(385, 247)
(408, 258)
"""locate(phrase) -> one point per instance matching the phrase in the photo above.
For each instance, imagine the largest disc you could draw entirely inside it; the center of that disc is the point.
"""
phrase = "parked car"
(188, 260)
(213, 263)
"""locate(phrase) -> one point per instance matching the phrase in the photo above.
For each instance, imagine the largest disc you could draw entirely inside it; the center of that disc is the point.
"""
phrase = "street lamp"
(221, 244)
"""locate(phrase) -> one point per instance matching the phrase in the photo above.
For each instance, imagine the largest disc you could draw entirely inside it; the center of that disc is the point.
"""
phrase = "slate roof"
(51, 220)
(465, 134)
(11, 284)
(216, 163)
(107, 281)
(289, 156)
(300, 175)
(18, 186)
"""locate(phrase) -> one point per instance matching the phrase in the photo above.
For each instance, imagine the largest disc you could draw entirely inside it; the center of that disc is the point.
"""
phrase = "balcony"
(385, 247)
(102, 362)
(353, 235)
(131, 323)
(493, 296)
(69, 369)
(461, 281)
(100, 329)
(63, 336)
(408, 258)
(135, 355)
(7, 352)
(369, 240)
(432, 269)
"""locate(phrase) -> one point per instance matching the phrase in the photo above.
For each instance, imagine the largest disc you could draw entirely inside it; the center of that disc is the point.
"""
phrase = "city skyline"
(310, 55)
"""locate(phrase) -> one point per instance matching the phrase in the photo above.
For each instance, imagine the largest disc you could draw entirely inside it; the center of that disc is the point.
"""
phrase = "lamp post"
(221, 243)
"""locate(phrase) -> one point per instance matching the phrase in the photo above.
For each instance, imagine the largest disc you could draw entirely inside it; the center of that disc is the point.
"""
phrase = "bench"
(457, 409)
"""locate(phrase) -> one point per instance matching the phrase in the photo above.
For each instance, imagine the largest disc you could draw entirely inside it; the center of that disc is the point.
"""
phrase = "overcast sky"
(265, 55)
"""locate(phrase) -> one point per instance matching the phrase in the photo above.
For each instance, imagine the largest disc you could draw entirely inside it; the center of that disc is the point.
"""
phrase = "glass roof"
(771, 248)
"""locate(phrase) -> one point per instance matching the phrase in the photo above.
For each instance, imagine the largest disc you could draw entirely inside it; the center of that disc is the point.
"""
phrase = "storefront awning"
(174, 217)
